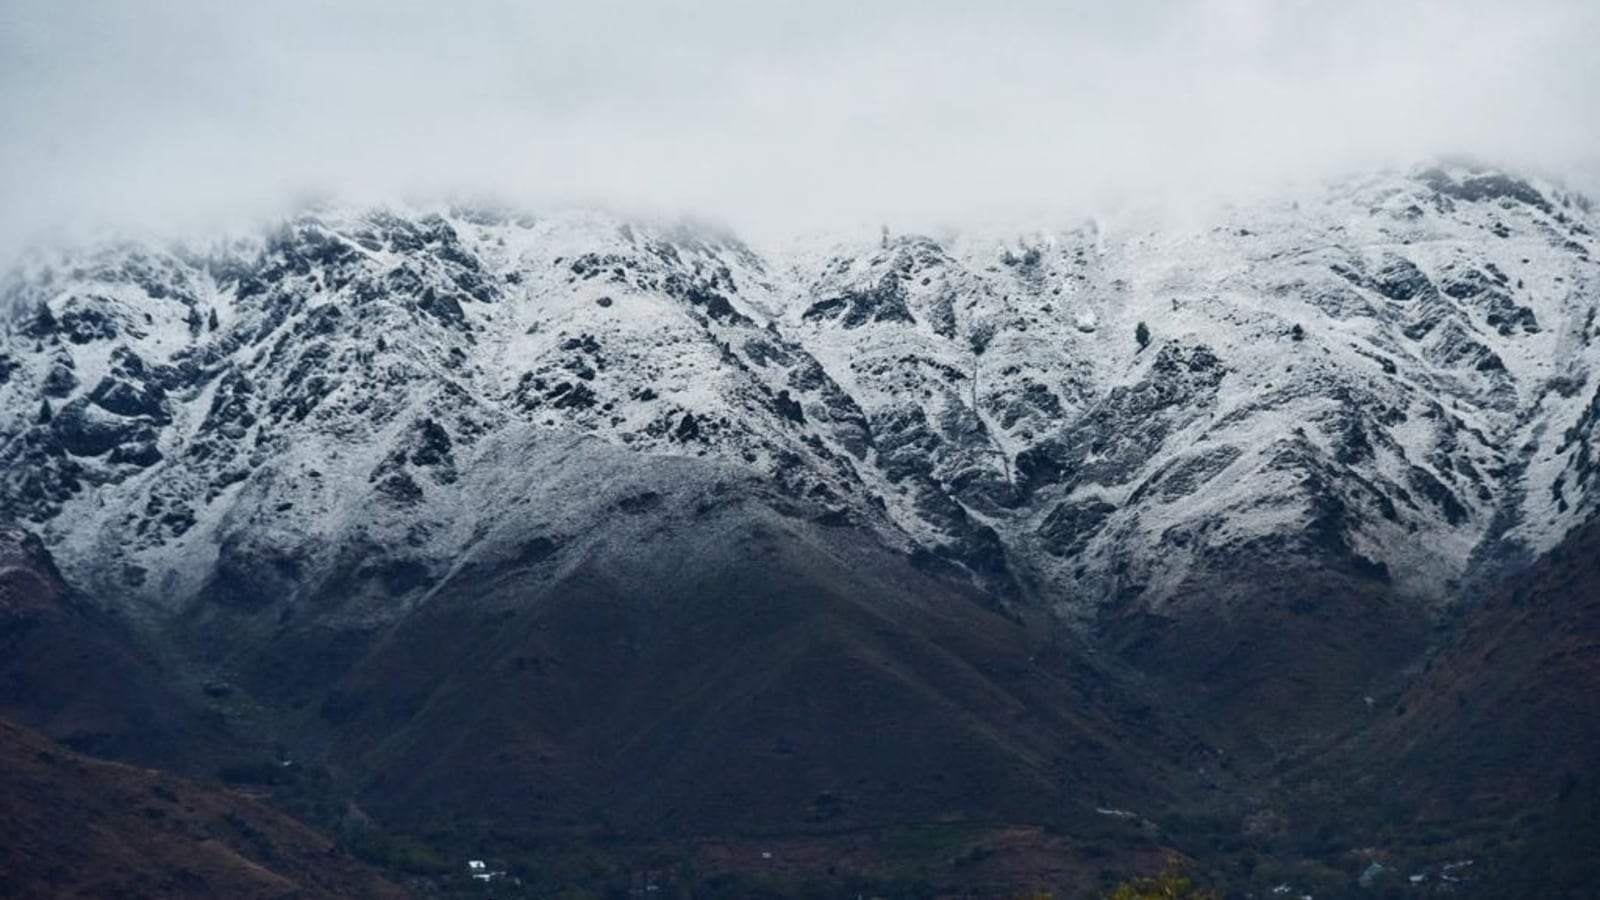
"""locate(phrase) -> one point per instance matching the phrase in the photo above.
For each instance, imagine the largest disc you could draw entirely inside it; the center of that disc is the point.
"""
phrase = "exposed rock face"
(1389, 380)
(569, 520)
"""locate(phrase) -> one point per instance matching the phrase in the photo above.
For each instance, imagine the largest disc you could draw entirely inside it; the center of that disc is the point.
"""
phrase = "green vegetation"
(1557, 859)
(926, 844)
(395, 852)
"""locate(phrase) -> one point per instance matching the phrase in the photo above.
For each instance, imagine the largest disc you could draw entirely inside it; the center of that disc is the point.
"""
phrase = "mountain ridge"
(939, 391)
(566, 522)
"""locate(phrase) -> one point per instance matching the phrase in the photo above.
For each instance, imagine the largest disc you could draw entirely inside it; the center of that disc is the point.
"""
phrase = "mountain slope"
(731, 669)
(1337, 374)
(72, 671)
(1396, 369)
(369, 471)
(1506, 706)
(71, 826)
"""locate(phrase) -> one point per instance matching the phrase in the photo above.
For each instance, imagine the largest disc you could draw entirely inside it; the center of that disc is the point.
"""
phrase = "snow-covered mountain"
(1389, 377)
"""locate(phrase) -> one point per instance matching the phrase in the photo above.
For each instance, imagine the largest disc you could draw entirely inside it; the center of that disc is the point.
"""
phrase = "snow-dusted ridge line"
(1394, 372)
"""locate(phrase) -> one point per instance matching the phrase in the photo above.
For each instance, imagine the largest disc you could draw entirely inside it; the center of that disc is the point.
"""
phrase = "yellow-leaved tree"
(1171, 884)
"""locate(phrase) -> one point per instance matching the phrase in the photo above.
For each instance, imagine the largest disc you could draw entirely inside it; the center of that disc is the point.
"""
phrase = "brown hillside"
(72, 826)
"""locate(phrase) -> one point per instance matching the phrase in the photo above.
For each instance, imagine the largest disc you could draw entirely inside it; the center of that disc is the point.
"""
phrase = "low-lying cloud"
(774, 117)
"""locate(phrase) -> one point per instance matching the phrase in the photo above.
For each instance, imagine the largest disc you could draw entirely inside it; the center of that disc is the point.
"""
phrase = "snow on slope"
(1378, 366)
(1391, 374)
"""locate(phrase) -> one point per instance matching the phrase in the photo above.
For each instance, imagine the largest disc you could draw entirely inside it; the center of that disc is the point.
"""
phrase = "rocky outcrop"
(1075, 419)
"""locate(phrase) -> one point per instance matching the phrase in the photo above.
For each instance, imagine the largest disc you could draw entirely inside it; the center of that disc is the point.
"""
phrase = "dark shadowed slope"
(71, 671)
(739, 671)
(1277, 655)
(1509, 711)
(71, 826)
(1493, 749)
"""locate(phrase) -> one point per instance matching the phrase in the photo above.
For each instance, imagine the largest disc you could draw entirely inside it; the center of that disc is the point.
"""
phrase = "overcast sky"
(770, 116)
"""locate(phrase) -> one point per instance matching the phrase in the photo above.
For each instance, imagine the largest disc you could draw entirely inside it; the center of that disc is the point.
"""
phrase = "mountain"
(71, 670)
(568, 518)
(720, 668)
(1519, 674)
(72, 826)
(1494, 743)
(1501, 718)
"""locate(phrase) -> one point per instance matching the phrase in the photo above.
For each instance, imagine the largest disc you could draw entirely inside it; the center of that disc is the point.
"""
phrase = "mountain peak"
(968, 395)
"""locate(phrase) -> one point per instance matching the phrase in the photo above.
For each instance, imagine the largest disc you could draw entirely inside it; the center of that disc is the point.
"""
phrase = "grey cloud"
(772, 116)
